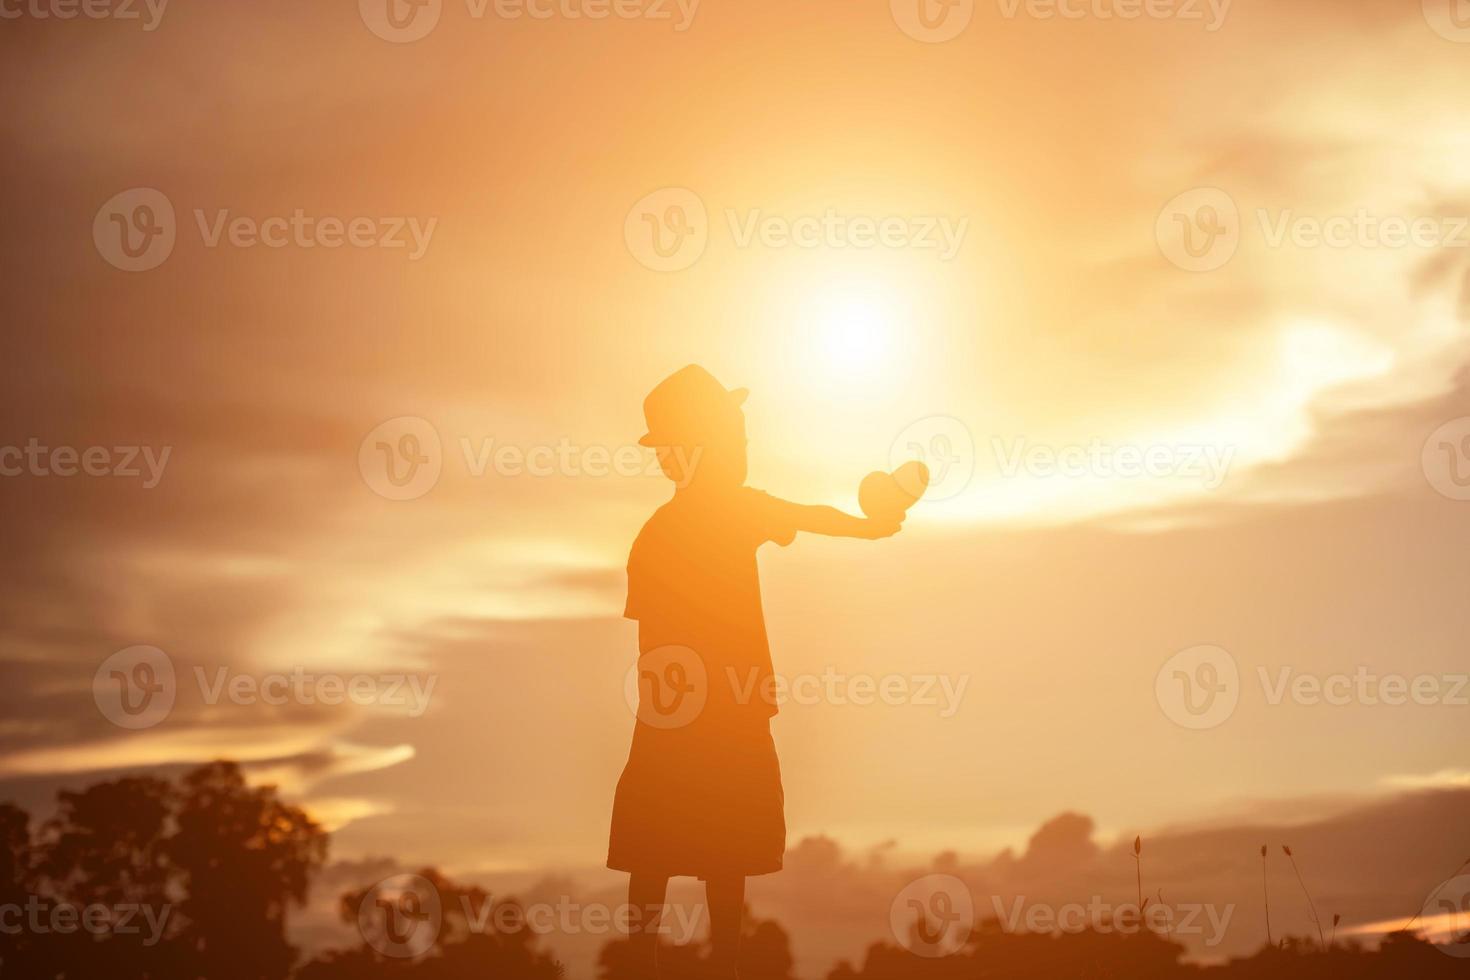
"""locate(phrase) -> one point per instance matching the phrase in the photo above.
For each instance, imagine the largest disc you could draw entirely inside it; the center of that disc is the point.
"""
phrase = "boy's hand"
(819, 519)
(874, 528)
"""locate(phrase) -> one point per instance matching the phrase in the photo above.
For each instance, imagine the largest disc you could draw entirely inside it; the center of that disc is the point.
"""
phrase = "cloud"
(1443, 779)
(1368, 861)
(1375, 863)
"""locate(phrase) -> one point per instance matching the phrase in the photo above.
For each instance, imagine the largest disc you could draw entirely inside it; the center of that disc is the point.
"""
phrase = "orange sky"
(1039, 155)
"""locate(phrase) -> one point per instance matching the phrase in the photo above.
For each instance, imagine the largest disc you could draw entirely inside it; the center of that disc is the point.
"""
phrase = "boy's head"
(698, 429)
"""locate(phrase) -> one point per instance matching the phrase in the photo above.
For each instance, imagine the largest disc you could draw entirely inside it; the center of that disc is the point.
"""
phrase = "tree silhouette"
(107, 846)
(227, 861)
(243, 855)
(190, 881)
(18, 952)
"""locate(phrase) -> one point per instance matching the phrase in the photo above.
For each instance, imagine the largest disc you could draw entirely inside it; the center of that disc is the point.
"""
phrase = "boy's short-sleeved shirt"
(693, 582)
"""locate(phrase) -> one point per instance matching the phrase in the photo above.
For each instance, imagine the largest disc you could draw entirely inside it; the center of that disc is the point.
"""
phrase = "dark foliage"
(219, 863)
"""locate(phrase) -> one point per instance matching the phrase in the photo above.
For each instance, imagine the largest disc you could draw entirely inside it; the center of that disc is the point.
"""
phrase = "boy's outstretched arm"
(820, 519)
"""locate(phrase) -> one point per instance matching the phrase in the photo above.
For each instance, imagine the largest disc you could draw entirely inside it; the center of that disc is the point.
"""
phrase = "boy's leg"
(646, 893)
(726, 900)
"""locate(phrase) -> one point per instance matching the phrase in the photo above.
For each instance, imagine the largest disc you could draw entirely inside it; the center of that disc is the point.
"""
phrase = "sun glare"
(852, 336)
(851, 332)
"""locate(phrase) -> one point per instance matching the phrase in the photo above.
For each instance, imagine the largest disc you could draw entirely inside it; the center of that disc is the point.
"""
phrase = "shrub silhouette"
(765, 954)
(228, 860)
(993, 953)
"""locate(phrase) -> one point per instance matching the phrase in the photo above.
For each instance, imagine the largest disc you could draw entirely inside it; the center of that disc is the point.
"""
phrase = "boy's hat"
(685, 405)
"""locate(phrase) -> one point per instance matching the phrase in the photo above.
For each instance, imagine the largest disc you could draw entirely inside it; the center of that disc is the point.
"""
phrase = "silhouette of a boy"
(701, 793)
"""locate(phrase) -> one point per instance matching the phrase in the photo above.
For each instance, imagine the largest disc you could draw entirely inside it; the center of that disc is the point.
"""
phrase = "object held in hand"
(888, 496)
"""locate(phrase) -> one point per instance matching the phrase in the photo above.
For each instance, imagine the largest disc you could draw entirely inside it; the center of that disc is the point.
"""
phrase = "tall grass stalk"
(1453, 874)
(1310, 904)
(1266, 894)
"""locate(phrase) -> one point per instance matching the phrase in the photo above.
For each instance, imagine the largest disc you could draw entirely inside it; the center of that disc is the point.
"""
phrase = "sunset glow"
(329, 439)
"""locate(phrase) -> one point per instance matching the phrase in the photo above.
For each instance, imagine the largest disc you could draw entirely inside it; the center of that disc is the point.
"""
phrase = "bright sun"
(851, 330)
